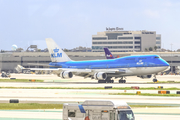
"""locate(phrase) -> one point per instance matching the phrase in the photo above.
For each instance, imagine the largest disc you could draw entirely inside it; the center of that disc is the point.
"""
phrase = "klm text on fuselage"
(56, 55)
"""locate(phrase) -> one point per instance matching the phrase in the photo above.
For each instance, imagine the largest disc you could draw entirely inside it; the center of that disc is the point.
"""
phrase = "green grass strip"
(166, 82)
(147, 94)
(26, 106)
(17, 106)
(18, 80)
(95, 88)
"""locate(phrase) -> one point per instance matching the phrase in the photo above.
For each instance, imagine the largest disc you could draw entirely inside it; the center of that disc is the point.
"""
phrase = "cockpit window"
(156, 57)
(125, 115)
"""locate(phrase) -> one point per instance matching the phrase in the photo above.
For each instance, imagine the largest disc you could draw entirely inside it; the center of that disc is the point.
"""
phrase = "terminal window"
(158, 42)
(158, 38)
(99, 38)
(137, 37)
(137, 42)
(113, 35)
(125, 37)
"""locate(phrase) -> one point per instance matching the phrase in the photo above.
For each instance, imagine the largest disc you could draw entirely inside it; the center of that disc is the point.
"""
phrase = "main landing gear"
(122, 81)
(108, 80)
(155, 80)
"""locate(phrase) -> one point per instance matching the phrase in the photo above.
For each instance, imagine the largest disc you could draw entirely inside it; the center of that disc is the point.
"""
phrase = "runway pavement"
(57, 96)
(55, 78)
(54, 81)
(140, 114)
(70, 85)
(70, 95)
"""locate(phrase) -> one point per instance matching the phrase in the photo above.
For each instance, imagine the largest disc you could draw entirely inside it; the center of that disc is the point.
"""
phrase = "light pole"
(171, 57)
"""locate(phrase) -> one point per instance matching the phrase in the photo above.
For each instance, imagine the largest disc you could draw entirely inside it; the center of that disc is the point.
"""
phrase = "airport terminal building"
(126, 41)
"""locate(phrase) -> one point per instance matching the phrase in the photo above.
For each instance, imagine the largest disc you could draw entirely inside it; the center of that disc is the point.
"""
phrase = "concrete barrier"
(138, 92)
(135, 87)
(163, 92)
(32, 80)
(107, 87)
(13, 101)
(160, 87)
(167, 92)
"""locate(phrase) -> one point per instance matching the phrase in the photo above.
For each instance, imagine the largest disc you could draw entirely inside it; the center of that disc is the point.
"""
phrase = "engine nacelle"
(65, 74)
(145, 76)
(100, 76)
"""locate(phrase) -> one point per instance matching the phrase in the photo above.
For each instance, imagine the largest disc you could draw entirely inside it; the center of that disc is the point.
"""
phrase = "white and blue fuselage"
(133, 65)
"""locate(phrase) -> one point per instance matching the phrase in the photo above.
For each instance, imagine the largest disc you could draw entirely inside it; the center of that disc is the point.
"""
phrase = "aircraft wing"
(89, 71)
(37, 64)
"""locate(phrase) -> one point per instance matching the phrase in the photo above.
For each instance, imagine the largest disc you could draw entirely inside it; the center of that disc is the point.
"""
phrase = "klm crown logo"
(56, 54)
(56, 50)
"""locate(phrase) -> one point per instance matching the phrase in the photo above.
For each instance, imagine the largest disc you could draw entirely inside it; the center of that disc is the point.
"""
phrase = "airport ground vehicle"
(98, 110)
(3, 74)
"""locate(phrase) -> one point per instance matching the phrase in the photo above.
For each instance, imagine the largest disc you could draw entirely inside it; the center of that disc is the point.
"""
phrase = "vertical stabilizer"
(56, 53)
(108, 54)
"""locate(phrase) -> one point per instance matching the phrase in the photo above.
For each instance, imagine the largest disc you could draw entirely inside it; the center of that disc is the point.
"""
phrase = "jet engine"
(100, 76)
(145, 76)
(65, 74)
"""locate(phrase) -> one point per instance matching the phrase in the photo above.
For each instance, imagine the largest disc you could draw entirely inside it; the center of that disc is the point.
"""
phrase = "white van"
(98, 110)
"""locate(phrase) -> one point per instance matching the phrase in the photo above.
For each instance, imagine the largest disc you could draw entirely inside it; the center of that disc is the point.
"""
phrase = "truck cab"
(98, 110)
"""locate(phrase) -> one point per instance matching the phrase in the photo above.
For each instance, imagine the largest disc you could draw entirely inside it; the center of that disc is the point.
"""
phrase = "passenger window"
(71, 114)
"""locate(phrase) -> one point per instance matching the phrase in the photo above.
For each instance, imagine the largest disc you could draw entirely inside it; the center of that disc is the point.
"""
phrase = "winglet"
(108, 54)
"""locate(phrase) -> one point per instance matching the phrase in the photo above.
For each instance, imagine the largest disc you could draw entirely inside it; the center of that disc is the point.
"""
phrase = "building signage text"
(111, 29)
(147, 32)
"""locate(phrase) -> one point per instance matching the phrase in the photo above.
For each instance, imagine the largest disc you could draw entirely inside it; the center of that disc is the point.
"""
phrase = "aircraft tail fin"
(108, 54)
(56, 53)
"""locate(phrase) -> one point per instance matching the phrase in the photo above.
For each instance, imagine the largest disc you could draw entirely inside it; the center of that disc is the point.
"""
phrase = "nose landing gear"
(155, 80)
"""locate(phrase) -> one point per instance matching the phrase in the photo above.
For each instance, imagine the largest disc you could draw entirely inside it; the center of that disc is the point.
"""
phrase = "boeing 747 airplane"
(103, 70)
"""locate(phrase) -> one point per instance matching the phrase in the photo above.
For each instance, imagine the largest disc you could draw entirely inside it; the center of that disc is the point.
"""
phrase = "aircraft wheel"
(120, 81)
(100, 81)
(109, 81)
(112, 81)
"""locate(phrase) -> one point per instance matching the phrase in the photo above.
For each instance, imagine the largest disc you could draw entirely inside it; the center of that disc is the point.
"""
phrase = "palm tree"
(155, 48)
(146, 49)
(150, 49)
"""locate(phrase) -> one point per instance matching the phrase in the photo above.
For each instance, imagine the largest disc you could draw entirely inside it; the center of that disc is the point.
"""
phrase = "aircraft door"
(107, 66)
(111, 115)
(136, 59)
(105, 115)
(95, 115)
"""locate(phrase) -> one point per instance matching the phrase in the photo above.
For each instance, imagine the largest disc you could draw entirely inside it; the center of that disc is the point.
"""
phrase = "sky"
(71, 23)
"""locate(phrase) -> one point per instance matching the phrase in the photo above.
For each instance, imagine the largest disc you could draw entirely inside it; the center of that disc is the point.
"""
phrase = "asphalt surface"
(140, 114)
(73, 95)
(57, 96)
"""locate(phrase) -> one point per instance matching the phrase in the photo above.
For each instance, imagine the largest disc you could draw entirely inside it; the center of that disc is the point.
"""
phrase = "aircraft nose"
(165, 63)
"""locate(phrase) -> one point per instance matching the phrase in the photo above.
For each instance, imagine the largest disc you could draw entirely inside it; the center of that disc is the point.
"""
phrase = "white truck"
(98, 110)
